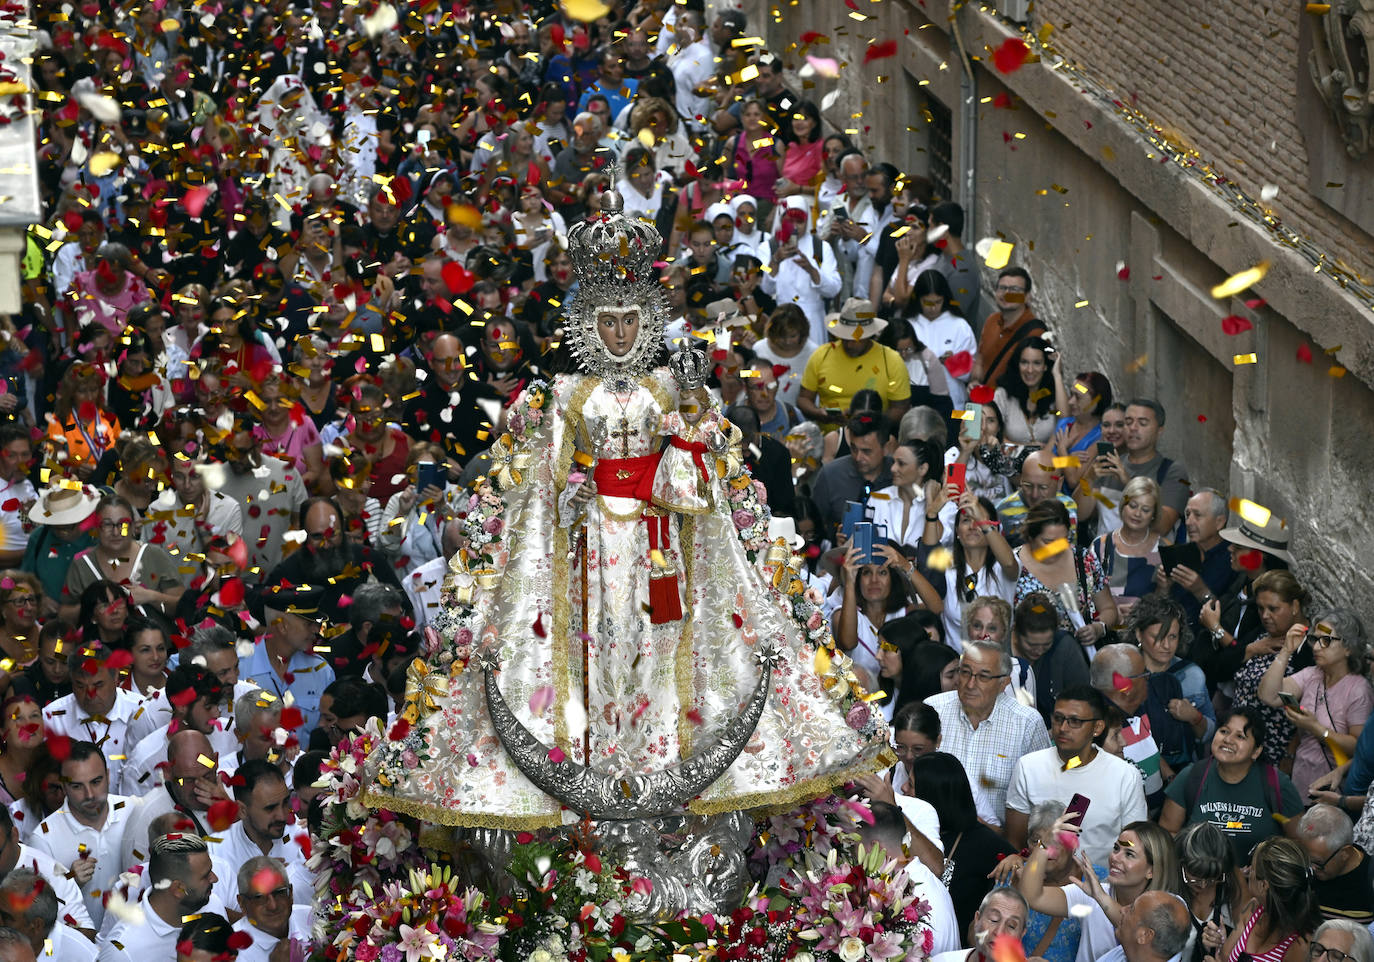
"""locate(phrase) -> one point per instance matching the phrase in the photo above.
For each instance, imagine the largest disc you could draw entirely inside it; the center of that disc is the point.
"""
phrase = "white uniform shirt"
(70, 906)
(234, 847)
(263, 944)
(149, 940)
(947, 334)
(66, 717)
(144, 768)
(61, 836)
(68, 945)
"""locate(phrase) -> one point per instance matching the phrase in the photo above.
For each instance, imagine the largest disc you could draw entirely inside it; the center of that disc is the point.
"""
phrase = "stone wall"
(1059, 171)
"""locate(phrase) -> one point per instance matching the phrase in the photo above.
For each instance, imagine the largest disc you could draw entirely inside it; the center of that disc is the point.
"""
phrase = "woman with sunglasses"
(1333, 696)
(1282, 913)
(1211, 887)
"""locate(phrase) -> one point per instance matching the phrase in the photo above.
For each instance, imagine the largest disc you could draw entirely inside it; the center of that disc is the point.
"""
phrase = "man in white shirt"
(29, 905)
(1154, 928)
(196, 699)
(264, 801)
(180, 878)
(184, 517)
(1076, 766)
(86, 832)
(97, 710)
(211, 647)
(1003, 911)
(692, 66)
(268, 913)
(192, 786)
(14, 854)
(983, 726)
(888, 830)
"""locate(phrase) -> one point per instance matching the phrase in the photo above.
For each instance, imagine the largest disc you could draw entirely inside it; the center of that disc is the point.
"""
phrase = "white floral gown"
(656, 692)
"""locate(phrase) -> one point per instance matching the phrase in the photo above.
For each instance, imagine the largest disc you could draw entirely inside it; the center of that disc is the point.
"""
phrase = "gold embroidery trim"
(447, 816)
(682, 669)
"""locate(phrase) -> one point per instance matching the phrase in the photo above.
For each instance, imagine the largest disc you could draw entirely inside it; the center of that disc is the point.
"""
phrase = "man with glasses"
(264, 801)
(982, 725)
(1039, 482)
(1008, 326)
(1344, 873)
(16, 491)
(1341, 940)
(269, 916)
(1075, 766)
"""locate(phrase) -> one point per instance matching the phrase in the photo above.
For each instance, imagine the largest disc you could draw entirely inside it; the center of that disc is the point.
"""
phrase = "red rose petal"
(222, 814)
(458, 278)
(1249, 560)
(238, 941)
(1011, 56)
(981, 394)
(880, 51)
(1120, 682)
(1234, 324)
(959, 364)
(292, 718)
(1304, 354)
(59, 746)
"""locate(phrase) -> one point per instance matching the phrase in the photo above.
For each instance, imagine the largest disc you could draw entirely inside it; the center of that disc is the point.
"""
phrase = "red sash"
(698, 455)
(634, 478)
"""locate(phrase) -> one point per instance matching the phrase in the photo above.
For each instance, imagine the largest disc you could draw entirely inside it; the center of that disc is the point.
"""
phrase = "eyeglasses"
(116, 525)
(1322, 641)
(1071, 721)
(1321, 866)
(1190, 879)
(276, 895)
(982, 677)
(907, 751)
(1317, 950)
(1004, 289)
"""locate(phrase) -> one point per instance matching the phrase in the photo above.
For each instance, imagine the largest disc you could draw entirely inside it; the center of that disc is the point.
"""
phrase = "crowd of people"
(295, 268)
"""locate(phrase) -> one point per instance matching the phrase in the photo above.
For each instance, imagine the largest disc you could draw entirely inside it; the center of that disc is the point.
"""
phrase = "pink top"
(803, 162)
(109, 310)
(1271, 955)
(1346, 703)
(757, 168)
(291, 445)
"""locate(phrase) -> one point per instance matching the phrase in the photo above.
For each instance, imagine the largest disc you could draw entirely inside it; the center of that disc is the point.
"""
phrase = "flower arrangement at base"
(795, 841)
(425, 918)
(867, 909)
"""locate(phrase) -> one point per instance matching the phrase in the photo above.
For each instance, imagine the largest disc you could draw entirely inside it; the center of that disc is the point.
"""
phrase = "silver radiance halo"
(613, 259)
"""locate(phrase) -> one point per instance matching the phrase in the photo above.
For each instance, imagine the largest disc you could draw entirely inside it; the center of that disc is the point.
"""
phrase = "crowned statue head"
(616, 321)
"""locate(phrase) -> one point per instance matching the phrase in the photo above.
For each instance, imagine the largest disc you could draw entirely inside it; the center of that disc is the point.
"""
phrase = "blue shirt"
(1361, 771)
(310, 676)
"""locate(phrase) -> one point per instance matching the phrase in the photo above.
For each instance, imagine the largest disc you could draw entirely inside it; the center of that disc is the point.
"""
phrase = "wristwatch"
(1218, 634)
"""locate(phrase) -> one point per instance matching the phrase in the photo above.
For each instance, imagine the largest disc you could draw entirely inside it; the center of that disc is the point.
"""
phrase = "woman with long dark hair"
(1029, 392)
(1282, 914)
(934, 315)
(972, 850)
(1211, 886)
(984, 563)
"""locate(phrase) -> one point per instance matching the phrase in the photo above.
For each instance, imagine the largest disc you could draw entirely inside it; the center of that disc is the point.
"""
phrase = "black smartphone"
(431, 472)
(1172, 555)
(1105, 447)
(1078, 807)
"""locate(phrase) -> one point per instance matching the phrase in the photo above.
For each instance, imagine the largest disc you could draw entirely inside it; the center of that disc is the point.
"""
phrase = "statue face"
(619, 328)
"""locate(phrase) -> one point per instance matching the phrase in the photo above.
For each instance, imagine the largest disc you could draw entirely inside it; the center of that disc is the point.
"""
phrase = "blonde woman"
(1130, 554)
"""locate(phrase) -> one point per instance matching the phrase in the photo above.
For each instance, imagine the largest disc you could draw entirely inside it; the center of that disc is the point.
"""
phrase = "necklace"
(1121, 534)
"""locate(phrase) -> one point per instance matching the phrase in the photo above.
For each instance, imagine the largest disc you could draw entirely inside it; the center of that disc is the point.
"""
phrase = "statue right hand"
(583, 494)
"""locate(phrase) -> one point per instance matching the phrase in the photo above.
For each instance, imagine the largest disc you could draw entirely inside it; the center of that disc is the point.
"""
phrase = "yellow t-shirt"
(836, 377)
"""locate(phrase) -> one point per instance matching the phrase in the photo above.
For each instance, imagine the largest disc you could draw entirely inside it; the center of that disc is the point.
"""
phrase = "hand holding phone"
(972, 426)
(1078, 807)
(957, 474)
(863, 542)
(1291, 700)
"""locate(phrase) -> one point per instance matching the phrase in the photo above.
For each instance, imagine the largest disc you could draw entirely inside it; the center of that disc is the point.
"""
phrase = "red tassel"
(665, 602)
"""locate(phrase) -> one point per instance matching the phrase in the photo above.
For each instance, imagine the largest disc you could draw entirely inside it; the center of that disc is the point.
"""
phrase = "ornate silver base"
(695, 864)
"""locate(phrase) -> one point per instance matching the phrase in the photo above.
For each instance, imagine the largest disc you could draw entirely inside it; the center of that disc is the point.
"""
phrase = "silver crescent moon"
(602, 796)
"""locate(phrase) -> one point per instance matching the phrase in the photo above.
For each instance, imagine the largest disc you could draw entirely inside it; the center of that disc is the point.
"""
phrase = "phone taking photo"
(1078, 807)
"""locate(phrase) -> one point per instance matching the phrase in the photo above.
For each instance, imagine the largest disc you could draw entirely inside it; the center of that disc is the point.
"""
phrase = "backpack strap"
(1164, 465)
(1020, 334)
(1272, 793)
(1196, 780)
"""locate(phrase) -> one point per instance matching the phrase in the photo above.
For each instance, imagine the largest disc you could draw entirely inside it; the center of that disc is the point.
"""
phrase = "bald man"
(1039, 482)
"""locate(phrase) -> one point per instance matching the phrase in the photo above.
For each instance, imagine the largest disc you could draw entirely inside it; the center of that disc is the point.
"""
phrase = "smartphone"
(1078, 807)
(853, 514)
(863, 542)
(839, 213)
(972, 426)
(956, 473)
(1290, 699)
(431, 472)
(1105, 448)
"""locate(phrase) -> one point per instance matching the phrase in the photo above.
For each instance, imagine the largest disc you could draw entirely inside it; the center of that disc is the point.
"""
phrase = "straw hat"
(855, 321)
(1272, 539)
(66, 502)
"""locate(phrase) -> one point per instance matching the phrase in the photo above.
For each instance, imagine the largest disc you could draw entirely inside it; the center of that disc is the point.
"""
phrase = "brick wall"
(1224, 77)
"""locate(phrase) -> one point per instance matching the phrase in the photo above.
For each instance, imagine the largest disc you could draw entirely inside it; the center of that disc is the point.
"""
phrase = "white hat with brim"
(66, 503)
(1272, 539)
(726, 313)
(855, 321)
(785, 528)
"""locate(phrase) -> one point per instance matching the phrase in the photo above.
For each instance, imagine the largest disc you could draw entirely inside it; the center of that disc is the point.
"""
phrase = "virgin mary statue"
(617, 612)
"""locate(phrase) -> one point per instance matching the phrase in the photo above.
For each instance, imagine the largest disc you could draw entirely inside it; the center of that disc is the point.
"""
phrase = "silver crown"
(609, 248)
(613, 259)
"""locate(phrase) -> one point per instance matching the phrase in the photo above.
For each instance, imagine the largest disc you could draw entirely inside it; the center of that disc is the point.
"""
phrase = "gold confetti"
(1051, 550)
(1256, 514)
(1245, 359)
(585, 10)
(1236, 283)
